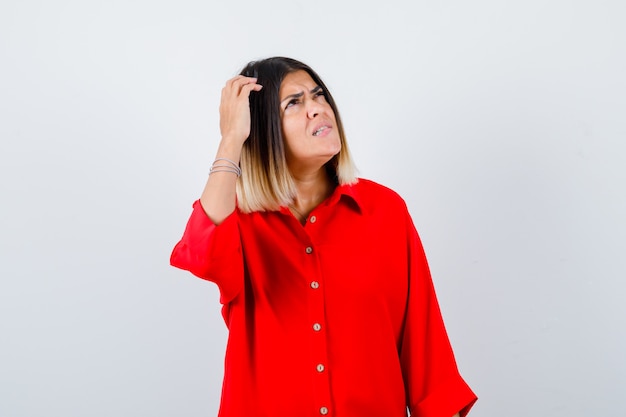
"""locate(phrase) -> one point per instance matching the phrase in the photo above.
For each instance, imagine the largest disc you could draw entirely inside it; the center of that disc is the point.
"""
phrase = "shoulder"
(370, 189)
(373, 196)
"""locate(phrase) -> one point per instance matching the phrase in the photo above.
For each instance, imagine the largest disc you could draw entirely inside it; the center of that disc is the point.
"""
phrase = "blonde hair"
(266, 183)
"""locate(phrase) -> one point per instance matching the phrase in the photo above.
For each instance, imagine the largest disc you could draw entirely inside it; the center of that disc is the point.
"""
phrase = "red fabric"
(359, 302)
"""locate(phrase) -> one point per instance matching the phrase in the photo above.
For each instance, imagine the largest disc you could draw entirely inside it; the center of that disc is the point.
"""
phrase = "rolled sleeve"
(453, 396)
(212, 252)
(433, 383)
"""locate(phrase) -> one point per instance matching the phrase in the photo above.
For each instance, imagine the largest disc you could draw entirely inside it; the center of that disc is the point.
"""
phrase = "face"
(309, 126)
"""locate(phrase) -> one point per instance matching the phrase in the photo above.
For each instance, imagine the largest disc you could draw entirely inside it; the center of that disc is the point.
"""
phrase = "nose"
(313, 109)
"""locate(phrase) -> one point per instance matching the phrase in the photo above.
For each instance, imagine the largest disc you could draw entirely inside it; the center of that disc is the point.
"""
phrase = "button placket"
(316, 300)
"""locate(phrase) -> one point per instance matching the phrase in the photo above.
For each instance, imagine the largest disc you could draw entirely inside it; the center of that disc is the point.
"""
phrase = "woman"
(324, 284)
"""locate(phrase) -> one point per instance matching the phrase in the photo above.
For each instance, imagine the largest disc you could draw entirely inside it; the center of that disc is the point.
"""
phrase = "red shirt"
(337, 317)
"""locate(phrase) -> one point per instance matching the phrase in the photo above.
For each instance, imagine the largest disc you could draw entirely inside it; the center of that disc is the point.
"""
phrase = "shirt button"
(315, 285)
(313, 219)
(309, 250)
(317, 327)
(323, 411)
(320, 368)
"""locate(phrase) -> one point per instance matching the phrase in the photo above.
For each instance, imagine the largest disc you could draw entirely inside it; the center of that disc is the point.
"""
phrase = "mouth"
(320, 130)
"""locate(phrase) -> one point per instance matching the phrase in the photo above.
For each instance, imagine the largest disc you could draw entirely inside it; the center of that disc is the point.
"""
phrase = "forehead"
(295, 82)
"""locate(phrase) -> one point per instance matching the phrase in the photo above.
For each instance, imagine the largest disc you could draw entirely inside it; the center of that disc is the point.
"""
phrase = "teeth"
(320, 130)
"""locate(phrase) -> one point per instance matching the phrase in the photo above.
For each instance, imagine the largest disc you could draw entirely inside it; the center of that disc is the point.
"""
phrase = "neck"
(312, 189)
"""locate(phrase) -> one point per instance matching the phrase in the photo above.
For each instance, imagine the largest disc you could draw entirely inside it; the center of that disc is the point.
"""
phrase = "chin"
(334, 147)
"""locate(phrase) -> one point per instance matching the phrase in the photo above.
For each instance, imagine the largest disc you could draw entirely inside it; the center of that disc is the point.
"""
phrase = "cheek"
(292, 129)
(290, 138)
(287, 132)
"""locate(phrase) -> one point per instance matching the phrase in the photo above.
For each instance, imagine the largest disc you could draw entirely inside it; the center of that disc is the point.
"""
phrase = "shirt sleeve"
(433, 383)
(212, 252)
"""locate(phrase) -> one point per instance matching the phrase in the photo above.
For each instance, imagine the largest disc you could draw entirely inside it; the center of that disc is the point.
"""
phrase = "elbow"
(183, 259)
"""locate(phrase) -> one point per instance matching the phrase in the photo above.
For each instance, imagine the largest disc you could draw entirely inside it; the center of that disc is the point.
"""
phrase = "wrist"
(233, 141)
(225, 165)
(229, 148)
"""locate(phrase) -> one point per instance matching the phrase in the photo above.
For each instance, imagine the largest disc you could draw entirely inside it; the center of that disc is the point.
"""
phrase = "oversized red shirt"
(334, 318)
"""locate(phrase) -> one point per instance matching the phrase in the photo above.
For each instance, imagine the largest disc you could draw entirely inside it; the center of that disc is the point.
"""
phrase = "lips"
(320, 130)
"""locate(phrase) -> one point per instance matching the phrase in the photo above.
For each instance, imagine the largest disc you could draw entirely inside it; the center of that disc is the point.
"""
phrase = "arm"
(207, 250)
(434, 386)
(219, 196)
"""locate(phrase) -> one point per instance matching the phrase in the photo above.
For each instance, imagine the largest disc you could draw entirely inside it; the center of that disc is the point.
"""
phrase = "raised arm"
(219, 196)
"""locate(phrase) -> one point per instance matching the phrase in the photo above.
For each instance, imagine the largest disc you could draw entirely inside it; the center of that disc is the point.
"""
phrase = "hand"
(235, 108)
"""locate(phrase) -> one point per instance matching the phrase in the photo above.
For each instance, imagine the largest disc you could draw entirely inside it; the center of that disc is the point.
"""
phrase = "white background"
(501, 123)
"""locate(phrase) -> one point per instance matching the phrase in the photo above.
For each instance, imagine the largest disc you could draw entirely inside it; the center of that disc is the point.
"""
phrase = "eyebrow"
(301, 93)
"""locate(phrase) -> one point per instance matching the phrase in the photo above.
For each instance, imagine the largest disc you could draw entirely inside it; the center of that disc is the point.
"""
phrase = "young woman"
(325, 288)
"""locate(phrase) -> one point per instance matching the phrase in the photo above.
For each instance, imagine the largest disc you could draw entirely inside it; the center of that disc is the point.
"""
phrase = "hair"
(266, 183)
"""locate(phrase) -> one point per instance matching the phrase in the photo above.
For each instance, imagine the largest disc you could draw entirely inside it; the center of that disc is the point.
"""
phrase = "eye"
(292, 102)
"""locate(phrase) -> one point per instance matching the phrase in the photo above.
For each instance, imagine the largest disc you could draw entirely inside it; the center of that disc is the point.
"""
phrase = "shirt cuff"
(455, 396)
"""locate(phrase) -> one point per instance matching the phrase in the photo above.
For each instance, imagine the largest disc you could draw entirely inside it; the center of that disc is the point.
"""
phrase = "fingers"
(237, 90)
(246, 89)
(235, 108)
(241, 84)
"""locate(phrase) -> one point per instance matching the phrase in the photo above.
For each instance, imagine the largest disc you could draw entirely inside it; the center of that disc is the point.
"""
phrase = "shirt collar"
(348, 193)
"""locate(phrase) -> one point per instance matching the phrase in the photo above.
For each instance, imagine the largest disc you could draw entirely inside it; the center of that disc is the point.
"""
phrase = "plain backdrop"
(502, 124)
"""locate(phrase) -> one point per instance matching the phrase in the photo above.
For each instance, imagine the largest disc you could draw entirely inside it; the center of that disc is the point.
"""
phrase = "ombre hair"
(266, 183)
